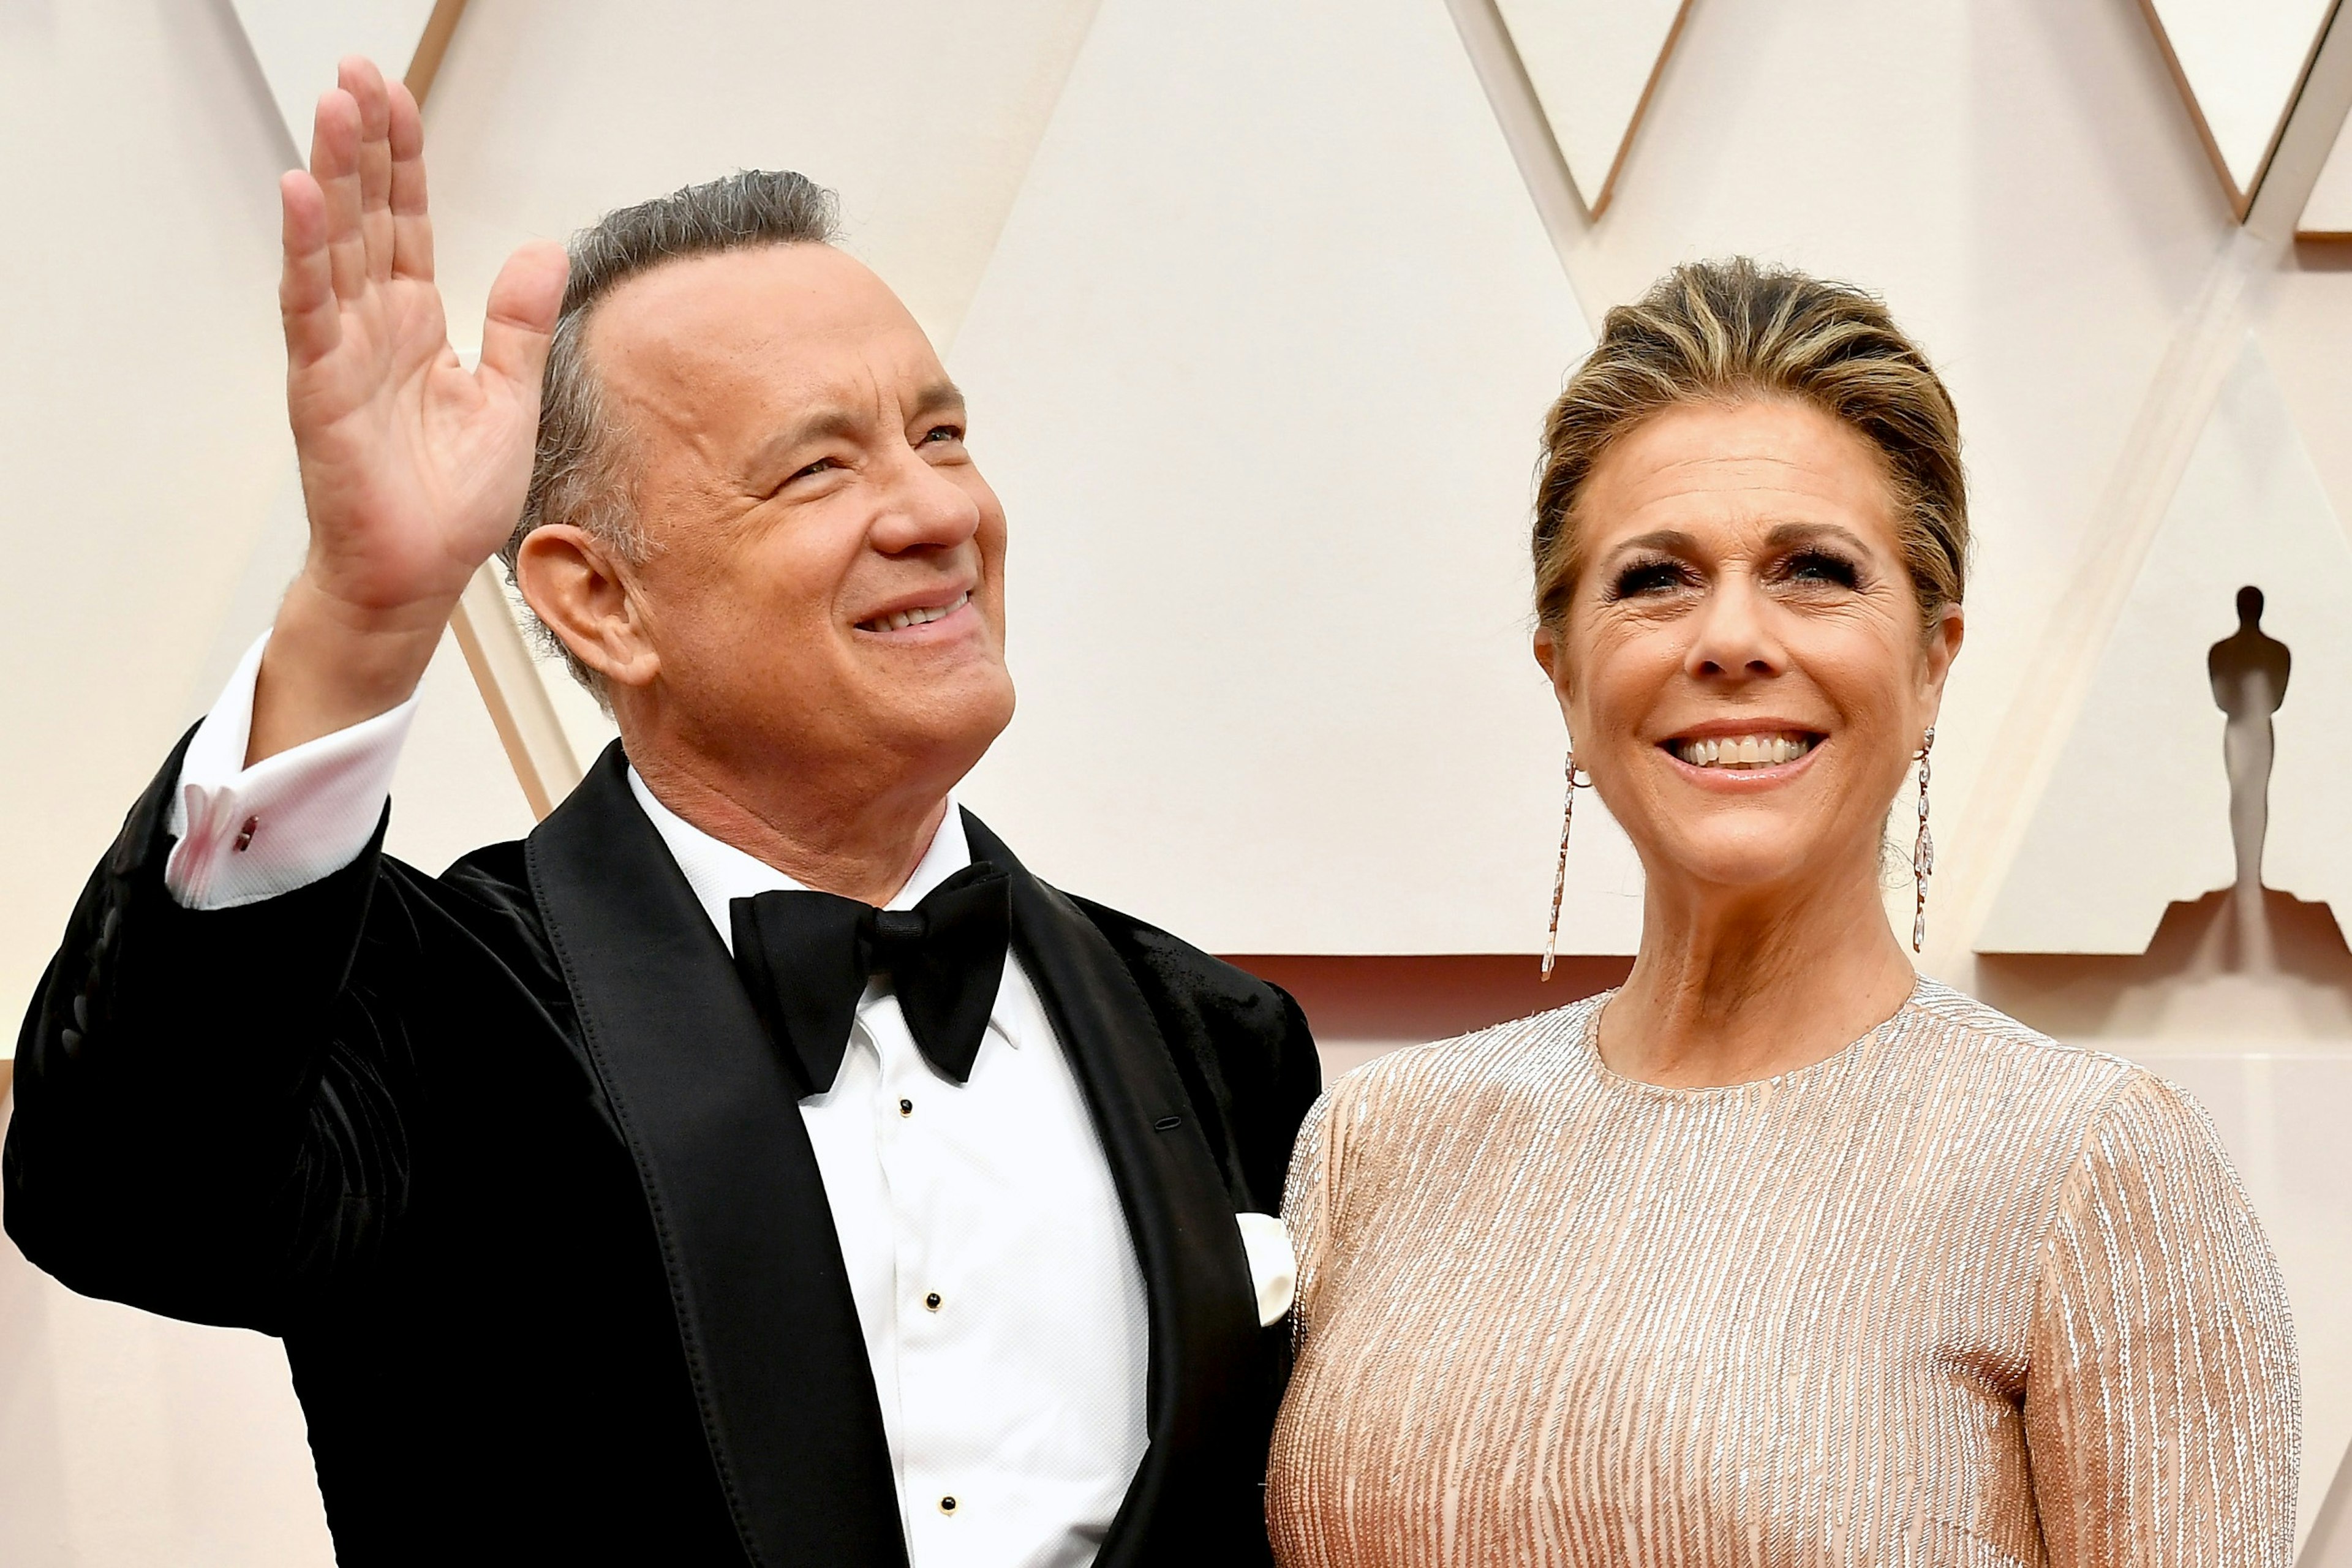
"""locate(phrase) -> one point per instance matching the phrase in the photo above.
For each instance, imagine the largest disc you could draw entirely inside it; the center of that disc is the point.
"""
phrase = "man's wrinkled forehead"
(797, 323)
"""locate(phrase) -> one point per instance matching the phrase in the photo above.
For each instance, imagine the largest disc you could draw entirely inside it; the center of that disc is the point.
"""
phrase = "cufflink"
(1273, 1271)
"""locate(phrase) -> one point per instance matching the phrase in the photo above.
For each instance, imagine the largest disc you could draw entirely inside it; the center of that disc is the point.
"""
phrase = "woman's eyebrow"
(1668, 541)
(1789, 533)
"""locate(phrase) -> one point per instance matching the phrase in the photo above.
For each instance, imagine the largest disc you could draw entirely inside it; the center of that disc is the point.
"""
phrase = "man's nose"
(923, 509)
(1734, 634)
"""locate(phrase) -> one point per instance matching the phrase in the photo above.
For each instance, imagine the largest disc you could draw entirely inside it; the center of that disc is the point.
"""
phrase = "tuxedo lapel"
(711, 1116)
(1202, 1303)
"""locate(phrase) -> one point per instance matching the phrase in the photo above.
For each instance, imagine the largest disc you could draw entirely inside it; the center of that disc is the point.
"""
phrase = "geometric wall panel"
(548, 113)
(1592, 64)
(2329, 214)
(1258, 368)
(2136, 812)
(2241, 64)
(299, 42)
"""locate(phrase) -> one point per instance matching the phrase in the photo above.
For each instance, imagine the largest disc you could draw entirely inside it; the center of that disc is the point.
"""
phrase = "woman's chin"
(1757, 861)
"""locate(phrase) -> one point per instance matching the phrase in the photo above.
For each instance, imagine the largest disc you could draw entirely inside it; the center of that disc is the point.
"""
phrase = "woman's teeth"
(1743, 750)
(905, 618)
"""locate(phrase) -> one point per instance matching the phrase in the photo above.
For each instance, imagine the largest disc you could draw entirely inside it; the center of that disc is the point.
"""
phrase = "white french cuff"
(298, 817)
(1274, 1270)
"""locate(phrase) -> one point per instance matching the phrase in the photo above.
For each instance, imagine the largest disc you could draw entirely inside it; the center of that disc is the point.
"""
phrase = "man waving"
(756, 1162)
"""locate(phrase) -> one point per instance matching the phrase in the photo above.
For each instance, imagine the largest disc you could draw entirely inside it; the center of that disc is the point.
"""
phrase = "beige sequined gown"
(1958, 1297)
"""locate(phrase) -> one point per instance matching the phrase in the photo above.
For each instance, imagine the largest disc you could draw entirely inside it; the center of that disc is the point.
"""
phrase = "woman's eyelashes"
(1641, 578)
(1813, 568)
(1816, 566)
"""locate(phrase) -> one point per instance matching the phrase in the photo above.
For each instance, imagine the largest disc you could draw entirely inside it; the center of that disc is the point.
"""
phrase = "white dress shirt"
(996, 1284)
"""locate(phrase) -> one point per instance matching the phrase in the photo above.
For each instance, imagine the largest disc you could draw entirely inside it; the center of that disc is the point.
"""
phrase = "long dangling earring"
(1560, 876)
(1923, 851)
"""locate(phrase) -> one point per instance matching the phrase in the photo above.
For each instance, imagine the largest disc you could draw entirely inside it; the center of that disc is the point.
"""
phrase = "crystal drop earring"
(1923, 851)
(1560, 874)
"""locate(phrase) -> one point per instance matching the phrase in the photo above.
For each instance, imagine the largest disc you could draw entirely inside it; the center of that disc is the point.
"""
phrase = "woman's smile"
(1745, 753)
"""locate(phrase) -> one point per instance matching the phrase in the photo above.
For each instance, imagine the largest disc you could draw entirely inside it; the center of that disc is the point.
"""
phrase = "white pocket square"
(1272, 1269)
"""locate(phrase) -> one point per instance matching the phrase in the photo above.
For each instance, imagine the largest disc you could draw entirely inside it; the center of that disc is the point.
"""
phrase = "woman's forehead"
(1727, 475)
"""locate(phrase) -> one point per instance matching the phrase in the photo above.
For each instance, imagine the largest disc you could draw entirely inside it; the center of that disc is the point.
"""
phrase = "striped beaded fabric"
(1957, 1296)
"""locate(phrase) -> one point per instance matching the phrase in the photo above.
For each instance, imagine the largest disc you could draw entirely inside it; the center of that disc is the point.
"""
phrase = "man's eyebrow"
(839, 423)
(818, 425)
(937, 398)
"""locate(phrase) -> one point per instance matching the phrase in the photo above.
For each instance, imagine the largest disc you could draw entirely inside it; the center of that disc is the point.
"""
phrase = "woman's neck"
(1733, 987)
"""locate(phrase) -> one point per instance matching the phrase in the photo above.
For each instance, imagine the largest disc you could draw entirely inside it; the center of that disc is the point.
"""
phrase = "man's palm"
(414, 469)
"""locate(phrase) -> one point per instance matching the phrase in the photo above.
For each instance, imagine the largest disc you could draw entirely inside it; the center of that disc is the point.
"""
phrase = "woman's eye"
(1647, 577)
(1821, 566)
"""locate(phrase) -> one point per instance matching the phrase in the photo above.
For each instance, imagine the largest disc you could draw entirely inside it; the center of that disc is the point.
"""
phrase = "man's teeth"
(1743, 750)
(905, 618)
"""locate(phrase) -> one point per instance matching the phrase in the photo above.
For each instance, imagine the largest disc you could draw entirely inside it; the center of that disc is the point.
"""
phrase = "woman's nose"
(1733, 635)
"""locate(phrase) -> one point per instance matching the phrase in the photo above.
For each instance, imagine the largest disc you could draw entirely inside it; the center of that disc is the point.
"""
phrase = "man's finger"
(412, 230)
(306, 289)
(522, 318)
(334, 164)
(358, 76)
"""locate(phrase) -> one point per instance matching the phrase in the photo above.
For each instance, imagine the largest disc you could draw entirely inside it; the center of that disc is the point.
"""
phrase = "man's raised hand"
(414, 469)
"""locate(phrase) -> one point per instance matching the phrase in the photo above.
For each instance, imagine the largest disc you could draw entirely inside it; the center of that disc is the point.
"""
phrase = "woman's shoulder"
(1542, 1047)
(1958, 1029)
(1964, 1034)
(2083, 1099)
(1950, 1048)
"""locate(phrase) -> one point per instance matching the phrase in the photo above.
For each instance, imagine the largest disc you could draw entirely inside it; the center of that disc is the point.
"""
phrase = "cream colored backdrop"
(1260, 304)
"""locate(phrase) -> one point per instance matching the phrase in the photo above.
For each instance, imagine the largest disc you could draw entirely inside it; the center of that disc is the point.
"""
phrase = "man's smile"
(906, 617)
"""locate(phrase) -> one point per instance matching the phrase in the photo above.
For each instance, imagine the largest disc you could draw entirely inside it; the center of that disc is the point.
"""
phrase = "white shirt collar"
(719, 873)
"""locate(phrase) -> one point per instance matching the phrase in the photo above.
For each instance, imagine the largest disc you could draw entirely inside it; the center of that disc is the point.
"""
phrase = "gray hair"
(580, 473)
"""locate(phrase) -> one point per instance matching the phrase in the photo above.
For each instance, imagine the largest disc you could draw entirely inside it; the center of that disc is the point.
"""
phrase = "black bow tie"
(805, 958)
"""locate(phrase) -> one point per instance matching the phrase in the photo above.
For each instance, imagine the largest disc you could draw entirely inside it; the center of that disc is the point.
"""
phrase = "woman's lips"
(1764, 748)
(1753, 757)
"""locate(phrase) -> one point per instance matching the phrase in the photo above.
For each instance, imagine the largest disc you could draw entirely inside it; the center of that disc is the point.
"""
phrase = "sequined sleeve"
(1303, 1215)
(2161, 1408)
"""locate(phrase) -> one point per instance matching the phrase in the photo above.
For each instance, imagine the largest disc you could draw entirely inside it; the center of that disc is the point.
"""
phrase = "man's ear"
(576, 585)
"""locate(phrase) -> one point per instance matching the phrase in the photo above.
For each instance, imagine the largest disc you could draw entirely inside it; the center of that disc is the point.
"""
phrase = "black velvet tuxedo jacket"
(507, 1159)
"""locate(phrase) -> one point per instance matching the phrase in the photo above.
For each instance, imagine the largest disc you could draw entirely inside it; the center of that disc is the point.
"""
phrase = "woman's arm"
(2161, 1410)
(1310, 1198)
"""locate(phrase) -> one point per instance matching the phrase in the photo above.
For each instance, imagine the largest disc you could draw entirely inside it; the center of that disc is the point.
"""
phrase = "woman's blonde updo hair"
(1721, 332)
